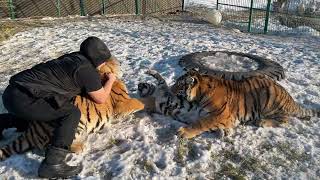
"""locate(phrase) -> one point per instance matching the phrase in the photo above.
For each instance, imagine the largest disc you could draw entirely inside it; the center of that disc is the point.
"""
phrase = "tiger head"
(146, 89)
(187, 85)
(111, 65)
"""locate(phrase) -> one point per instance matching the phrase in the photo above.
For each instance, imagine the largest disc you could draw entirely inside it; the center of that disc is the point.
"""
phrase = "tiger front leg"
(77, 147)
(149, 104)
(206, 124)
(127, 107)
(157, 76)
(227, 132)
(78, 143)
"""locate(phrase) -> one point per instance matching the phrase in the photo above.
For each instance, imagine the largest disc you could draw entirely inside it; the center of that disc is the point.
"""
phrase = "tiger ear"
(191, 80)
(195, 69)
(192, 69)
(194, 72)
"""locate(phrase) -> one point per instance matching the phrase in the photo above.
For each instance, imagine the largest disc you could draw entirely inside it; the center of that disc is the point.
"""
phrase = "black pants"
(28, 108)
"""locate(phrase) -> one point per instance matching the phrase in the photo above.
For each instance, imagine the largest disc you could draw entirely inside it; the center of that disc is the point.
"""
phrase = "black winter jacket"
(55, 80)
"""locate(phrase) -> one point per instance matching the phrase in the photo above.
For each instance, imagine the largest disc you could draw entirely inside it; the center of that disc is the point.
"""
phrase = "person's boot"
(54, 165)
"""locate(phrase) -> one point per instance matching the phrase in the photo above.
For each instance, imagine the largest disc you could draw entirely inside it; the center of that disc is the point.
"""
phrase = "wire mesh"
(57, 8)
(2, 12)
(164, 6)
(301, 15)
(5, 9)
(118, 7)
(237, 13)
(283, 17)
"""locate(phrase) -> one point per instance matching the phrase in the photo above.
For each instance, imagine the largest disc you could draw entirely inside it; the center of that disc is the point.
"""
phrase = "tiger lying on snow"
(93, 117)
(159, 99)
(225, 103)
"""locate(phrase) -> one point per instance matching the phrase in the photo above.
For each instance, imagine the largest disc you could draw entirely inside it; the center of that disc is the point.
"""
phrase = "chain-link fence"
(156, 6)
(60, 8)
(267, 16)
(258, 16)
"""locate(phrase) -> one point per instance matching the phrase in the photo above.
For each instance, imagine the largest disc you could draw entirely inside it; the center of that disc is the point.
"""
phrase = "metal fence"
(258, 16)
(59, 8)
(270, 16)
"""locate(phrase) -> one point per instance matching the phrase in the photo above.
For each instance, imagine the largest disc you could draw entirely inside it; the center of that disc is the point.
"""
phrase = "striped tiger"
(159, 98)
(94, 117)
(228, 102)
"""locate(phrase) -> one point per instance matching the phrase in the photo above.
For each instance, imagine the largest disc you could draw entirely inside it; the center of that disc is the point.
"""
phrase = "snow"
(146, 146)
(235, 63)
(291, 5)
(213, 3)
(274, 27)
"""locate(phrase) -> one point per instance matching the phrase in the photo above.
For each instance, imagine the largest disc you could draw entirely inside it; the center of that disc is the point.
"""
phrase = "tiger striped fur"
(93, 117)
(228, 102)
(159, 98)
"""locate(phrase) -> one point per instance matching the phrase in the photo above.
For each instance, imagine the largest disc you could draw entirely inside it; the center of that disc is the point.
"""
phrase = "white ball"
(213, 16)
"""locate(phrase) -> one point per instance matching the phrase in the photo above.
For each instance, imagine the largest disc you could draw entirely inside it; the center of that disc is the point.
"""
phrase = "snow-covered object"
(213, 16)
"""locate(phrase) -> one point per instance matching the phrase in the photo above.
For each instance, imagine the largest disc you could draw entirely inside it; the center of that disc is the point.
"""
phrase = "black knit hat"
(95, 50)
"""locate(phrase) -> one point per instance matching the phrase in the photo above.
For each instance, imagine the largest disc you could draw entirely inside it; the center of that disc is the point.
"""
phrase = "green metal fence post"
(103, 7)
(250, 16)
(266, 23)
(217, 5)
(59, 8)
(182, 6)
(82, 8)
(158, 8)
(137, 2)
(11, 9)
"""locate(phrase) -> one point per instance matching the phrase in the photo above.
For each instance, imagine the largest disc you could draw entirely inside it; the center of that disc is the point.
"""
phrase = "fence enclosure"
(263, 16)
(258, 16)
(60, 8)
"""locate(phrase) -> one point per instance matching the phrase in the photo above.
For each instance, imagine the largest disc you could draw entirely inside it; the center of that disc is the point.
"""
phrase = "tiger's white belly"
(192, 115)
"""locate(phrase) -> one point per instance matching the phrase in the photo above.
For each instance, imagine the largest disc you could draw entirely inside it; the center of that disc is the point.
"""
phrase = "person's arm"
(100, 96)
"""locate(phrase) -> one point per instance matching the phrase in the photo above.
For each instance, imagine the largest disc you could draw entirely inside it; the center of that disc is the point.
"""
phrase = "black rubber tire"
(266, 67)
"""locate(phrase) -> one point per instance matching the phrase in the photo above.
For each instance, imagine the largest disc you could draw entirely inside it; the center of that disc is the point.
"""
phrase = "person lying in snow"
(45, 93)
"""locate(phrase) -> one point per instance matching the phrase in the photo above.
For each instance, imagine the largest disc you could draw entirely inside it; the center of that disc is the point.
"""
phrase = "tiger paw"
(77, 147)
(269, 123)
(225, 132)
(186, 132)
(306, 118)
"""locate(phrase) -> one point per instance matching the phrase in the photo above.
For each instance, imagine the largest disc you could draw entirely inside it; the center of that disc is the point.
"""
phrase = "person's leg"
(66, 127)
(66, 119)
(54, 165)
(8, 120)
(28, 108)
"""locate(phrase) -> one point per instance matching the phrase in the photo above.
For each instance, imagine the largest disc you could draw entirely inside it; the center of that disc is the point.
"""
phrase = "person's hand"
(110, 77)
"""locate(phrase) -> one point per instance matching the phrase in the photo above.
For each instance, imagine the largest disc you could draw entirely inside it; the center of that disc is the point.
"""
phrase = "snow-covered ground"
(258, 24)
(274, 27)
(213, 3)
(145, 146)
(291, 5)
